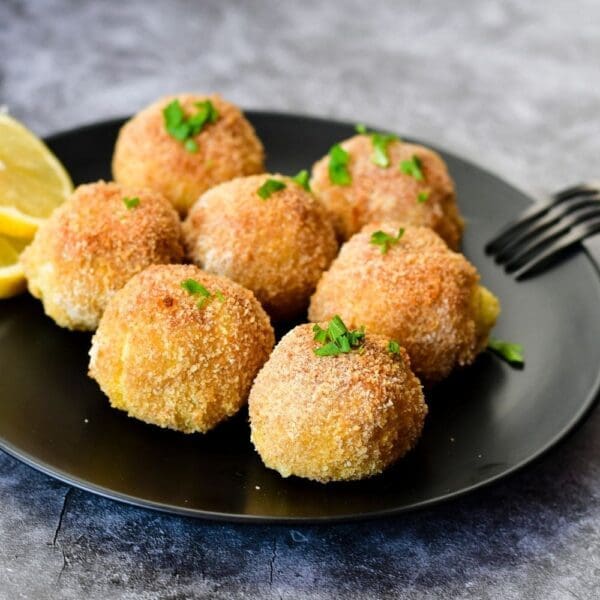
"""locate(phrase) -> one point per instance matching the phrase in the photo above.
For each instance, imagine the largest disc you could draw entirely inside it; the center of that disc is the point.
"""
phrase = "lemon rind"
(12, 281)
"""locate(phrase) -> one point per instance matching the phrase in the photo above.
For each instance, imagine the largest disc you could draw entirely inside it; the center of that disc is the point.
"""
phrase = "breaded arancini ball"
(332, 418)
(422, 196)
(93, 244)
(146, 154)
(419, 293)
(179, 348)
(277, 246)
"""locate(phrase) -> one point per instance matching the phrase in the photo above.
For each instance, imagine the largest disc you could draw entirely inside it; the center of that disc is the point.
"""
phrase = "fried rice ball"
(146, 154)
(277, 247)
(419, 293)
(333, 418)
(168, 354)
(93, 244)
(387, 193)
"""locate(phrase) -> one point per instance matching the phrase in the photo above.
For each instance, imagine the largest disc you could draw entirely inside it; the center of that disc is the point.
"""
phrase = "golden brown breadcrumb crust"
(335, 417)
(277, 247)
(147, 155)
(420, 293)
(93, 244)
(167, 361)
(377, 193)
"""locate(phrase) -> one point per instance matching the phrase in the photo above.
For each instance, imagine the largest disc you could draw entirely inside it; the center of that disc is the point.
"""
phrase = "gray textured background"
(512, 85)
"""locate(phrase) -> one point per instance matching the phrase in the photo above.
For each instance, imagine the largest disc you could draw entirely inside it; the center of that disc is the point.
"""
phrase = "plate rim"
(587, 406)
(58, 474)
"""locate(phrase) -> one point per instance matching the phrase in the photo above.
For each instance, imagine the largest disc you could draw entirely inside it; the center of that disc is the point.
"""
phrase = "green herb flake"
(337, 328)
(385, 240)
(329, 349)
(174, 119)
(207, 113)
(191, 145)
(423, 196)
(320, 333)
(344, 344)
(393, 347)
(510, 352)
(413, 168)
(381, 141)
(195, 288)
(302, 179)
(337, 338)
(131, 202)
(270, 186)
(338, 166)
(183, 128)
(356, 336)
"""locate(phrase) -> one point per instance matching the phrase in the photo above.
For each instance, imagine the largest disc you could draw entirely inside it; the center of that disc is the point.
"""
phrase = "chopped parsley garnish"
(337, 338)
(380, 141)
(207, 113)
(131, 202)
(423, 196)
(174, 118)
(270, 186)
(510, 352)
(393, 347)
(412, 167)
(184, 128)
(195, 288)
(338, 166)
(191, 145)
(385, 240)
(302, 178)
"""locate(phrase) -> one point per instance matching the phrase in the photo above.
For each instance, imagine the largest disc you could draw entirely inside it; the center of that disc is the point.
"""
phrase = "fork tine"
(577, 234)
(581, 189)
(536, 245)
(538, 209)
(506, 233)
(556, 213)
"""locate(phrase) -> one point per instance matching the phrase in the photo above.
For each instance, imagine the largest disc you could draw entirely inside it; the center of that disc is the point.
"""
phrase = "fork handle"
(592, 247)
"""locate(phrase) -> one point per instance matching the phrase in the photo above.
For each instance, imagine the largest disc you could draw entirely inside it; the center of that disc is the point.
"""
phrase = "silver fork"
(542, 232)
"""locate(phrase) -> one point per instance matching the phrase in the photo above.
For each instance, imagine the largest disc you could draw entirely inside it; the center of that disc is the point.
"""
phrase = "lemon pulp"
(32, 180)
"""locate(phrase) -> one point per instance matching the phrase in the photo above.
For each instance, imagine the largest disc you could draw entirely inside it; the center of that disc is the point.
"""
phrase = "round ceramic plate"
(484, 423)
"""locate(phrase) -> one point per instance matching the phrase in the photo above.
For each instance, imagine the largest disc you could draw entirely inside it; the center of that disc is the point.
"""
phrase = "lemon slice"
(12, 280)
(32, 180)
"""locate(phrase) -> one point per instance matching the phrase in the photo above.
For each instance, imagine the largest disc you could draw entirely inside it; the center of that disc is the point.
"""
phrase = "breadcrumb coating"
(420, 293)
(146, 154)
(93, 244)
(167, 361)
(377, 193)
(277, 247)
(334, 418)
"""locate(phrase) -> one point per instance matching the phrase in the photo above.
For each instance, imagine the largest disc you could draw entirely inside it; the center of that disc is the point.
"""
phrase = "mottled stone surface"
(513, 85)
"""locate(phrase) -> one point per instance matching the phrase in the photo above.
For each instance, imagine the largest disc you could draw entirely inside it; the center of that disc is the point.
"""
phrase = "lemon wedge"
(12, 280)
(32, 180)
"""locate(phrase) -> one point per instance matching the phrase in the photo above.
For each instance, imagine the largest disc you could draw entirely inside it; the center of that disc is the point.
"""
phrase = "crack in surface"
(63, 510)
(64, 566)
(55, 542)
(272, 562)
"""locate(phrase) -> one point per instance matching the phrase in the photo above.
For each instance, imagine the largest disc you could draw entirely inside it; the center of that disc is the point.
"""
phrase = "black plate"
(485, 422)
